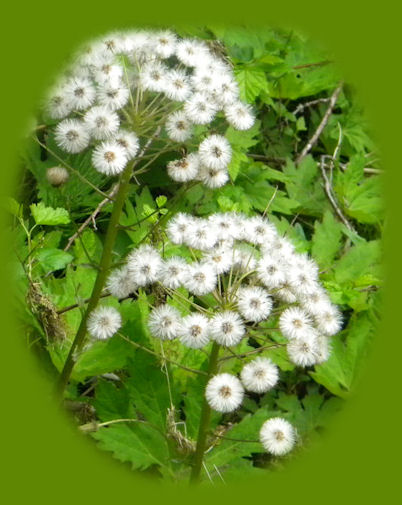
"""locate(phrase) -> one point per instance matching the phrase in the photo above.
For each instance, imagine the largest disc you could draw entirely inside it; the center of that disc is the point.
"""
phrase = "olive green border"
(44, 459)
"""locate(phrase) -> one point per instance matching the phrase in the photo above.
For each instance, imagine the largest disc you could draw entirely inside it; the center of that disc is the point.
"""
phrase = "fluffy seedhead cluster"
(234, 276)
(126, 85)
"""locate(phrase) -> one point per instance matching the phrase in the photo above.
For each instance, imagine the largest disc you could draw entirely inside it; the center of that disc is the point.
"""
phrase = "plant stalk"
(104, 266)
(204, 420)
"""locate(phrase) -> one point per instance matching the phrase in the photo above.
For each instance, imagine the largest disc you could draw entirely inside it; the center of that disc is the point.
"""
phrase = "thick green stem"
(204, 420)
(104, 267)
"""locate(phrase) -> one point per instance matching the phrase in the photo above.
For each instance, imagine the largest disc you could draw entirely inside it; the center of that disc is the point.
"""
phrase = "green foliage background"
(280, 72)
(351, 261)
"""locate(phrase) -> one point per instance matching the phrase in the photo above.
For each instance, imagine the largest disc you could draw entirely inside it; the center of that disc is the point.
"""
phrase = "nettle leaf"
(340, 372)
(326, 240)
(359, 260)
(364, 202)
(308, 414)
(48, 215)
(149, 388)
(112, 401)
(51, 259)
(102, 357)
(251, 82)
(247, 429)
(138, 443)
(304, 186)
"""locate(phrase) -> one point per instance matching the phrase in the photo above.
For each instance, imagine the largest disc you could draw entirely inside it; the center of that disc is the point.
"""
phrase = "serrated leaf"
(326, 240)
(51, 259)
(48, 215)
(359, 260)
(339, 373)
(251, 83)
(102, 357)
(247, 429)
(137, 443)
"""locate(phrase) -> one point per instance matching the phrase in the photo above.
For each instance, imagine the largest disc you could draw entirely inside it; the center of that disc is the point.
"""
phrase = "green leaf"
(359, 260)
(49, 216)
(304, 186)
(102, 357)
(149, 388)
(247, 429)
(340, 372)
(326, 240)
(251, 83)
(53, 259)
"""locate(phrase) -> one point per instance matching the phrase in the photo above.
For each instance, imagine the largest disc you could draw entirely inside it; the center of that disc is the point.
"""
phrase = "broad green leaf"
(340, 372)
(247, 429)
(49, 216)
(150, 389)
(136, 443)
(326, 240)
(251, 83)
(51, 259)
(359, 260)
(102, 357)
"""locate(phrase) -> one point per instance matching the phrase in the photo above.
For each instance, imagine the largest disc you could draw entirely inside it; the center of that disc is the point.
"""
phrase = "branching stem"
(104, 267)
(205, 420)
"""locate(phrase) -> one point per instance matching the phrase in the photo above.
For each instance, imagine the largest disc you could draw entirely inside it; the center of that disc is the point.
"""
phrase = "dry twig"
(310, 144)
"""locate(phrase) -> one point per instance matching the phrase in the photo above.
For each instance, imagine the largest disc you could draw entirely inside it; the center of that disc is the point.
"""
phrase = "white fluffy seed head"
(220, 259)
(224, 393)
(109, 158)
(277, 436)
(260, 375)
(102, 123)
(201, 235)
(227, 328)
(260, 231)
(191, 52)
(244, 258)
(254, 303)
(271, 272)
(119, 283)
(294, 322)
(213, 178)
(323, 349)
(113, 96)
(164, 322)
(200, 279)
(199, 109)
(177, 86)
(103, 322)
(304, 350)
(72, 136)
(184, 170)
(239, 115)
(153, 76)
(329, 320)
(178, 227)
(178, 127)
(194, 331)
(80, 93)
(215, 152)
(57, 104)
(165, 44)
(172, 272)
(144, 265)
(128, 141)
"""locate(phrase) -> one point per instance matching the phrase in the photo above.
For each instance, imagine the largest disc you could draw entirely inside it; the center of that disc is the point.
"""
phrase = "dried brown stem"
(313, 140)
